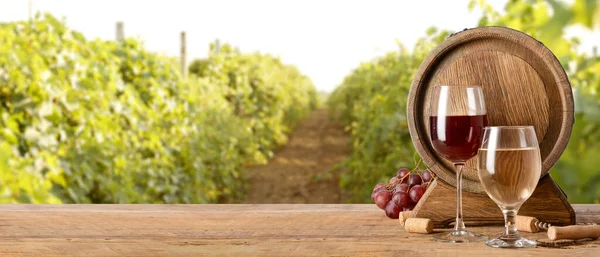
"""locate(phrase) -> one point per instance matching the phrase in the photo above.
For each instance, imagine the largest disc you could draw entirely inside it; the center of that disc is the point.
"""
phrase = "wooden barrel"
(523, 84)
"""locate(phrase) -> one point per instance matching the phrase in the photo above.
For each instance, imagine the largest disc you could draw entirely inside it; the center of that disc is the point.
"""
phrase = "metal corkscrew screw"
(542, 225)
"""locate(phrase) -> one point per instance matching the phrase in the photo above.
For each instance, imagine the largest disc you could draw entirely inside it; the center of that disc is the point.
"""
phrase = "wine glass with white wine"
(509, 165)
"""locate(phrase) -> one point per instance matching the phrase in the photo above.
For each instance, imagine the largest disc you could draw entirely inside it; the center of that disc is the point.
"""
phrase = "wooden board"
(236, 230)
(523, 84)
(548, 203)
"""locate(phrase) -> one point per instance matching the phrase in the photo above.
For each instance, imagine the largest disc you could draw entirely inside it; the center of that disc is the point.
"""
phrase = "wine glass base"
(460, 237)
(519, 242)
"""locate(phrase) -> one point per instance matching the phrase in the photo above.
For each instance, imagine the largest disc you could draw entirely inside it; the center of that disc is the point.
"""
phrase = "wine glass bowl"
(456, 121)
(509, 168)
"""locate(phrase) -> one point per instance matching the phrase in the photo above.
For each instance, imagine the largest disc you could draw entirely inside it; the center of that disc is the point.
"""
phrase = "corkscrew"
(532, 224)
(545, 226)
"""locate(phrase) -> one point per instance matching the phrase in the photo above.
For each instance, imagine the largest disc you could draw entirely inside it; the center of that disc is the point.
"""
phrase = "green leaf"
(472, 5)
(586, 12)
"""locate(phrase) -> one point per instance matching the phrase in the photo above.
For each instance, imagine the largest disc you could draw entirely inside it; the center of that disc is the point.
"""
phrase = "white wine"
(509, 176)
(509, 167)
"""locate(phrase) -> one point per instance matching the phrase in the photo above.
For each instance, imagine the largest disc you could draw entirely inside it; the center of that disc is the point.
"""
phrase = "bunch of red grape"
(402, 192)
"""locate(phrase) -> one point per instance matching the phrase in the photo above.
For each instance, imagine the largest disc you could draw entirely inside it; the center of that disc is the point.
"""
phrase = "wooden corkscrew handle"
(574, 232)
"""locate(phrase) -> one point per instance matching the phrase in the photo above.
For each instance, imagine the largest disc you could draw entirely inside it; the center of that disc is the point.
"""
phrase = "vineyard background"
(90, 121)
(93, 121)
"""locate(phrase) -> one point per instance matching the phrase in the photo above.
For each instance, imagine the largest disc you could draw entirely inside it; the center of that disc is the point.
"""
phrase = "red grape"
(402, 174)
(401, 188)
(426, 176)
(382, 198)
(378, 186)
(416, 192)
(409, 208)
(414, 179)
(392, 210)
(393, 180)
(375, 193)
(395, 197)
(401, 199)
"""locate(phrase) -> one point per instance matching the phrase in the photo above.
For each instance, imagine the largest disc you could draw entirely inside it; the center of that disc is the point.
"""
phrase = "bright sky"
(324, 39)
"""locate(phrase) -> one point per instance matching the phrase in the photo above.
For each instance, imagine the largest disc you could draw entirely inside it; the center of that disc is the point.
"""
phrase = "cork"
(574, 232)
(418, 225)
(403, 216)
(527, 224)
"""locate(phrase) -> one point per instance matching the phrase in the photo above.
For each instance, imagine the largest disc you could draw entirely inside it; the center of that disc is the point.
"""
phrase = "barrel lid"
(523, 84)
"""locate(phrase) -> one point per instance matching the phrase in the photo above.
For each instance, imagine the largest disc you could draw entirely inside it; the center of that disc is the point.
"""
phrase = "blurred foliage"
(578, 170)
(271, 97)
(199, 67)
(371, 101)
(109, 122)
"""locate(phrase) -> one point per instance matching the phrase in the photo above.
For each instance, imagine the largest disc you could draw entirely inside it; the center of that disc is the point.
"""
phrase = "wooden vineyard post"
(120, 31)
(217, 46)
(182, 56)
(30, 11)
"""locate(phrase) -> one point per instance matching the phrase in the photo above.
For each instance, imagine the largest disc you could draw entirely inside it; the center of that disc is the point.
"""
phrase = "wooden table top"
(238, 230)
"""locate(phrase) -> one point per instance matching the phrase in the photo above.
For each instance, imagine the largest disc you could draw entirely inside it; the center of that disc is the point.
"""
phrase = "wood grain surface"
(547, 203)
(523, 84)
(238, 230)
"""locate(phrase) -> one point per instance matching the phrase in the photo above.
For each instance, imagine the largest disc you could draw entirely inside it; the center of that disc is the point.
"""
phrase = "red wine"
(457, 138)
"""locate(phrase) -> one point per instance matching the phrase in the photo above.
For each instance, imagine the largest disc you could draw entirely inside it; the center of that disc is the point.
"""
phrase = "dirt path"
(303, 171)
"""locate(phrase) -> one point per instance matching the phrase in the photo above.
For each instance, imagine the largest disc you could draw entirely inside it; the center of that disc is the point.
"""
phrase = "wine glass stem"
(510, 223)
(459, 225)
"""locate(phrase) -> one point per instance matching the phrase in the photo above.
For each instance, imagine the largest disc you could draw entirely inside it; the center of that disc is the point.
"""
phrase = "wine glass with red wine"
(457, 119)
